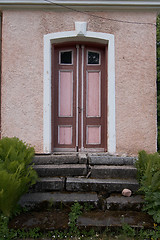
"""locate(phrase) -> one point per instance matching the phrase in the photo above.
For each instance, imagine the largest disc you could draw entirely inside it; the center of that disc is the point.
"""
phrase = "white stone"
(126, 192)
(81, 28)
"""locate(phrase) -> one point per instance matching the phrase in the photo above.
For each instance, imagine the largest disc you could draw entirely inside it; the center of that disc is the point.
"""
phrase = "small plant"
(16, 176)
(51, 203)
(31, 233)
(153, 234)
(127, 230)
(5, 232)
(18, 210)
(87, 207)
(73, 216)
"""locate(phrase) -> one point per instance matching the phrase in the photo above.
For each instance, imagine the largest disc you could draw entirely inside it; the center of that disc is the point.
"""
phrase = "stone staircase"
(80, 177)
(93, 178)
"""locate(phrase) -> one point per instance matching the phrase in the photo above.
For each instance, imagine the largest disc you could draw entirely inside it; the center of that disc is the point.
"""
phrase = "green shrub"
(148, 166)
(16, 176)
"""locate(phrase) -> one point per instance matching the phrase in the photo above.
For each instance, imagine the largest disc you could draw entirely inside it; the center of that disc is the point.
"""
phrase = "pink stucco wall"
(22, 73)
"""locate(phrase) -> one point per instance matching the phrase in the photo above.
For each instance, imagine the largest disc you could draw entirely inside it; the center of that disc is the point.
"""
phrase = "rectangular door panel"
(93, 134)
(65, 93)
(93, 108)
(65, 135)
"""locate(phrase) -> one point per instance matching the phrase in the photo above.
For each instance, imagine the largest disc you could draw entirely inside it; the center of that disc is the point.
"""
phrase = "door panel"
(64, 94)
(93, 134)
(93, 94)
(64, 135)
(94, 104)
(65, 87)
(79, 98)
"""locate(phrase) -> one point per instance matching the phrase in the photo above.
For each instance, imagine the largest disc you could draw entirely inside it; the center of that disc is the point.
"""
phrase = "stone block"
(82, 158)
(61, 170)
(118, 202)
(55, 159)
(99, 218)
(110, 160)
(104, 171)
(98, 185)
(49, 184)
(34, 199)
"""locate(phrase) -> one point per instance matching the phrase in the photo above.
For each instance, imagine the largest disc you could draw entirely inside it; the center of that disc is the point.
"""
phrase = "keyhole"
(79, 110)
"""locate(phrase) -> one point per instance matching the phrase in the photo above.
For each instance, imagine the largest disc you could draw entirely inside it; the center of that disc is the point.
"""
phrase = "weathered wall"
(22, 73)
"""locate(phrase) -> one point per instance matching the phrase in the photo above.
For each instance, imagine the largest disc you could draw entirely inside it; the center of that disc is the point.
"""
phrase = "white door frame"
(80, 34)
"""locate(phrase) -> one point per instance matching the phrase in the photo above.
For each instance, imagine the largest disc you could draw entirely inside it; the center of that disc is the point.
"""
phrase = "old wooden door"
(79, 101)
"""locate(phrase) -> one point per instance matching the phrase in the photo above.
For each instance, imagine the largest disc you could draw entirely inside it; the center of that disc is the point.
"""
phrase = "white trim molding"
(94, 4)
(80, 34)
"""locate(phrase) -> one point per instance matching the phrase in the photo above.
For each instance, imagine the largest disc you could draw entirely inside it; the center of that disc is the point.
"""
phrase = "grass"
(73, 232)
(119, 233)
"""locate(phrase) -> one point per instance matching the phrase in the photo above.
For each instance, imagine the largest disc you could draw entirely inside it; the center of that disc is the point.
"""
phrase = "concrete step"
(75, 158)
(98, 185)
(37, 199)
(56, 159)
(52, 170)
(49, 184)
(58, 219)
(118, 202)
(103, 171)
(99, 218)
(105, 159)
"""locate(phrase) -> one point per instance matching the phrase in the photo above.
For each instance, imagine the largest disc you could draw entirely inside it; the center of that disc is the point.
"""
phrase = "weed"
(73, 216)
(87, 207)
(8, 234)
(5, 233)
(127, 230)
(31, 233)
(51, 204)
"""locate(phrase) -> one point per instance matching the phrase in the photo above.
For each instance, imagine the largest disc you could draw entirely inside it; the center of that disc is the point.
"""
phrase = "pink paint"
(93, 134)
(65, 94)
(65, 135)
(22, 73)
(93, 94)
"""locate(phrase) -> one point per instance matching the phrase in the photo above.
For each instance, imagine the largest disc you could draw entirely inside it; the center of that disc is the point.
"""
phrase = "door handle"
(79, 109)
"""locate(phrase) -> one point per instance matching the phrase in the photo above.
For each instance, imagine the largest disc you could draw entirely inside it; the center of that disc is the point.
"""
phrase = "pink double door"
(79, 98)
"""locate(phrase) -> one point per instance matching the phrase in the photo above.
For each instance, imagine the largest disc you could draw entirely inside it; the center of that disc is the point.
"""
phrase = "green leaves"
(152, 205)
(73, 216)
(148, 166)
(15, 175)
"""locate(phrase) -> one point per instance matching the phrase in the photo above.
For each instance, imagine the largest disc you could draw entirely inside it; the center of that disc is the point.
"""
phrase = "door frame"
(80, 34)
(79, 122)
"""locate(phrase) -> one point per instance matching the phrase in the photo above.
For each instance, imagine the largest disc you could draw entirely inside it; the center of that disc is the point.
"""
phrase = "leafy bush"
(16, 176)
(148, 166)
